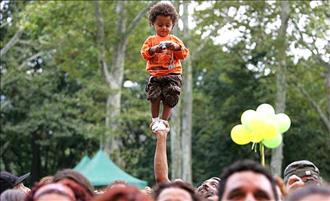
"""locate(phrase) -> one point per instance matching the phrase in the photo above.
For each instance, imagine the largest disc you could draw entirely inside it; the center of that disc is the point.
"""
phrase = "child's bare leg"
(166, 112)
(155, 105)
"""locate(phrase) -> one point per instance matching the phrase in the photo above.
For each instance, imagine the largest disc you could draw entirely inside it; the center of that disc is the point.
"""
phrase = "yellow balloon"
(256, 137)
(240, 135)
(263, 128)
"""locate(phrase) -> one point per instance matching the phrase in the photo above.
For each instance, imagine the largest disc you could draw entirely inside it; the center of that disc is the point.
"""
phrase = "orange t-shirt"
(167, 61)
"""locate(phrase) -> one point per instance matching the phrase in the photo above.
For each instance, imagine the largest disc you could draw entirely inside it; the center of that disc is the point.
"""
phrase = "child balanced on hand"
(163, 53)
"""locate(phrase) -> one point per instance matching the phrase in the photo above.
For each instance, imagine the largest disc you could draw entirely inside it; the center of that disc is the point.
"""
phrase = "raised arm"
(160, 160)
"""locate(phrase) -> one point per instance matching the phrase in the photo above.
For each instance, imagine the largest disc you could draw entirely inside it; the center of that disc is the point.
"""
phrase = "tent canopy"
(82, 163)
(101, 171)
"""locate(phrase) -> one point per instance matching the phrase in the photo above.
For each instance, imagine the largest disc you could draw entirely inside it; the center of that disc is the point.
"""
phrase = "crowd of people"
(243, 180)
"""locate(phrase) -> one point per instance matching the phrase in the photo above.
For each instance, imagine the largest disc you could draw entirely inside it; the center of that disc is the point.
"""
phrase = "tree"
(114, 74)
(187, 104)
(277, 154)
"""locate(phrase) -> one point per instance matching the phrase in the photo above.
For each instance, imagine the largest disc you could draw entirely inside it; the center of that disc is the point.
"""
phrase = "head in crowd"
(80, 192)
(247, 180)
(76, 177)
(305, 170)
(53, 191)
(65, 190)
(209, 188)
(121, 193)
(10, 181)
(12, 195)
(310, 193)
(163, 9)
(175, 191)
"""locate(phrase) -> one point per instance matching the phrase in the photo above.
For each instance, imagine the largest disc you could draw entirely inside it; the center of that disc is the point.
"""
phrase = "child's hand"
(155, 49)
(173, 46)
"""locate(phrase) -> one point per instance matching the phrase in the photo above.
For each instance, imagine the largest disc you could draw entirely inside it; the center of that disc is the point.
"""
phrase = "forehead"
(249, 181)
(210, 181)
(315, 197)
(174, 194)
(163, 19)
(53, 196)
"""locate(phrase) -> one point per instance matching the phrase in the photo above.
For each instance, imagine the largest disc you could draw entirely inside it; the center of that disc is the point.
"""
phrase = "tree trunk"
(36, 160)
(176, 148)
(327, 85)
(281, 83)
(116, 79)
(186, 105)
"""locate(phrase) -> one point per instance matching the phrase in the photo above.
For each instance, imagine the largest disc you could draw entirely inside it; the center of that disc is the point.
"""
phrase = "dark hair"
(245, 165)
(307, 191)
(46, 180)
(216, 178)
(163, 9)
(76, 177)
(117, 183)
(177, 184)
(12, 195)
(128, 193)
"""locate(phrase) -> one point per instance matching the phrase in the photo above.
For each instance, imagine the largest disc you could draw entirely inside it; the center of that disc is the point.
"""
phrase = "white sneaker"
(158, 125)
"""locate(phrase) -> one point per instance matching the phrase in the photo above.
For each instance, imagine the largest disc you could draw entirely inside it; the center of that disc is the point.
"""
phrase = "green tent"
(82, 163)
(101, 171)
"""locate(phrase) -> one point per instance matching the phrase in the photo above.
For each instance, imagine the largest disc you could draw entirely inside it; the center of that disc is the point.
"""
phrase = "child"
(163, 53)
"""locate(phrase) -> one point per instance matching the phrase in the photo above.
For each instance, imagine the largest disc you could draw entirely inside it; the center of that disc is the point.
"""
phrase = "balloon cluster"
(261, 126)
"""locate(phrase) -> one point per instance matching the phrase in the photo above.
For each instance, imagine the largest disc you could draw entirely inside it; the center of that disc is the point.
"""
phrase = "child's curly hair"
(163, 9)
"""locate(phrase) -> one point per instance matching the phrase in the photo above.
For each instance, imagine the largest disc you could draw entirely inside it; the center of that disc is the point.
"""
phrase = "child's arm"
(182, 52)
(148, 51)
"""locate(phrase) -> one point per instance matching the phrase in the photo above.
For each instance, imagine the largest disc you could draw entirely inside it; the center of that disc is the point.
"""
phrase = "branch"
(11, 42)
(30, 58)
(101, 42)
(204, 42)
(317, 56)
(3, 148)
(4, 24)
(323, 117)
(137, 18)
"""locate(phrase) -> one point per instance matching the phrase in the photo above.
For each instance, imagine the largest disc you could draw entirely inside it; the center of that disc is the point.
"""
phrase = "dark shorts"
(167, 87)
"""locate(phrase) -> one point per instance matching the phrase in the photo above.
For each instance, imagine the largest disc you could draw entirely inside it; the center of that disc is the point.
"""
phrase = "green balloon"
(283, 122)
(273, 142)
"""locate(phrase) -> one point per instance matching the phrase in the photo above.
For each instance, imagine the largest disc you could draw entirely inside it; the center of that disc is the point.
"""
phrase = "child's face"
(163, 25)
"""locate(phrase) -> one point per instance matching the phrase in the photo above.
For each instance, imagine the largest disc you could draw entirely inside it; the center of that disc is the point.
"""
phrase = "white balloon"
(247, 117)
(266, 110)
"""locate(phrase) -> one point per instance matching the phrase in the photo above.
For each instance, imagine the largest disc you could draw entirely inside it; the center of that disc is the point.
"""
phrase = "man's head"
(76, 177)
(9, 181)
(209, 187)
(303, 169)
(175, 191)
(247, 180)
